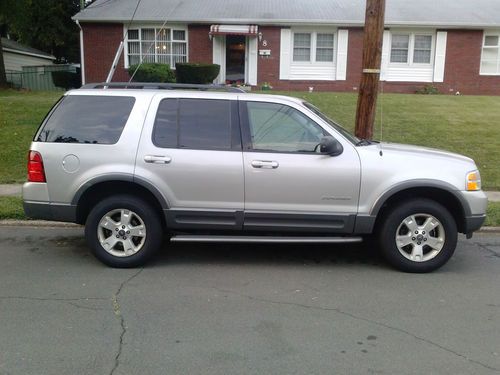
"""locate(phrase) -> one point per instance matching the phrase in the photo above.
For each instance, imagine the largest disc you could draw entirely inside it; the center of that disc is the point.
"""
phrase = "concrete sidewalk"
(15, 190)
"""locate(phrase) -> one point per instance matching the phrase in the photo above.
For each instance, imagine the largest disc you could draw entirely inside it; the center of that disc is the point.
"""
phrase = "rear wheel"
(123, 231)
(418, 236)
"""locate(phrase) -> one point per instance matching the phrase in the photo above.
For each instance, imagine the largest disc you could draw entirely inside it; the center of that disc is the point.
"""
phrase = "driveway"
(233, 309)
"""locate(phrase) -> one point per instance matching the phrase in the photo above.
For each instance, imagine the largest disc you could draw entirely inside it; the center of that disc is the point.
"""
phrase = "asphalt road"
(233, 309)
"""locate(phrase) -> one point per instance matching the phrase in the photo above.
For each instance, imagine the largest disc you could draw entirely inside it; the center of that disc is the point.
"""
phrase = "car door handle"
(157, 159)
(268, 164)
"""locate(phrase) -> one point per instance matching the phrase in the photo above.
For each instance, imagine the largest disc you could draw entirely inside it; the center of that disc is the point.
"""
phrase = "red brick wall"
(100, 43)
(463, 55)
(200, 46)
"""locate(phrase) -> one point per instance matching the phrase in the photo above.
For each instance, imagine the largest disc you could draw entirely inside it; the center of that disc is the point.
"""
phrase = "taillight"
(36, 173)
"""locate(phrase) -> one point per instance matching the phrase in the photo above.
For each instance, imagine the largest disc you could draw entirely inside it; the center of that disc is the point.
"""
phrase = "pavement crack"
(118, 313)
(360, 318)
(485, 248)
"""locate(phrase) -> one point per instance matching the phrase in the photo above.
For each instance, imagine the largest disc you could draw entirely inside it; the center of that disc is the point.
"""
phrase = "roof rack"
(161, 86)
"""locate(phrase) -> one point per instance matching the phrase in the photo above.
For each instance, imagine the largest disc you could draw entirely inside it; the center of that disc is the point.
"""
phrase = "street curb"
(37, 223)
(58, 224)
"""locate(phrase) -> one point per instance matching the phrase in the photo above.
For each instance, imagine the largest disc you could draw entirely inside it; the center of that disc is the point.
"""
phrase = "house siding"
(461, 73)
(16, 61)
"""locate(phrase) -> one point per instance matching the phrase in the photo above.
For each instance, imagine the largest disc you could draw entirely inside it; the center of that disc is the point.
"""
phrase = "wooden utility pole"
(372, 56)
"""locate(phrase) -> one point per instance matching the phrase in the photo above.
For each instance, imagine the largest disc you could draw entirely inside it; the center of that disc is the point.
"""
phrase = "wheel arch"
(442, 193)
(105, 186)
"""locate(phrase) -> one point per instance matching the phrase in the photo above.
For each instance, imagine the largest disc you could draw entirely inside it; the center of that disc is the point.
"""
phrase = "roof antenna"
(120, 48)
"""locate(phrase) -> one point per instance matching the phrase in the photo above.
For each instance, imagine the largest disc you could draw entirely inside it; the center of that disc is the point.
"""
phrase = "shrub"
(66, 80)
(196, 73)
(151, 72)
(427, 90)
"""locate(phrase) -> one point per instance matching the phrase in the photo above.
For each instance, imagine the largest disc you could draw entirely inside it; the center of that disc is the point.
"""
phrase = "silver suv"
(135, 163)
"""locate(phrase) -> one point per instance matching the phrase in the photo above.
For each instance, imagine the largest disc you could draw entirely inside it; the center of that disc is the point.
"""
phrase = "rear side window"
(87, 119)
(205, 124)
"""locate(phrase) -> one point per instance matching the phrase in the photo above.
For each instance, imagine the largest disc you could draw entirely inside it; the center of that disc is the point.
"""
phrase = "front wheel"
(123, 231)
(418, 236)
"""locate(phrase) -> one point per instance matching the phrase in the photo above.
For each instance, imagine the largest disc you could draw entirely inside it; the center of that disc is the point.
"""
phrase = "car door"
(190, 150)
(289, 185)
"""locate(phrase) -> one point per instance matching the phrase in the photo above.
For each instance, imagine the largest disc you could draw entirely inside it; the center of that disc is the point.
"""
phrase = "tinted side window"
(87, 119)
(194, 123)
(277, 127)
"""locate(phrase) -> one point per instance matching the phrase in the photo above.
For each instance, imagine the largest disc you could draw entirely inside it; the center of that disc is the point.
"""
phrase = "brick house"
(453, 45)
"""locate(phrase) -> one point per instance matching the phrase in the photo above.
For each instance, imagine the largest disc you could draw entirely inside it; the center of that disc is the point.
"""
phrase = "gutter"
(82, 54)
(19, 52)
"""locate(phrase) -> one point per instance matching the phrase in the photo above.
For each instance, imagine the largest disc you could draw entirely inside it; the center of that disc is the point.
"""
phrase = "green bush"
(66, 80)
(151, 72)
(196, 73)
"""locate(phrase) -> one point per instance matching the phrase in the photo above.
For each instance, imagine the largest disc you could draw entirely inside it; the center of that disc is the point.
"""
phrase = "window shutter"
(285, 58)
(386, 54)
(342, 45)
(219, 57)
(440, 58)
(252, 60)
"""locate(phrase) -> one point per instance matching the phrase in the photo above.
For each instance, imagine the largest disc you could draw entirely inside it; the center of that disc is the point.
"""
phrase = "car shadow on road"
(275, 254)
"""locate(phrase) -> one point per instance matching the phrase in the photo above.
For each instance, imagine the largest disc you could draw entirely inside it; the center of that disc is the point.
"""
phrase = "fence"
(37, 78)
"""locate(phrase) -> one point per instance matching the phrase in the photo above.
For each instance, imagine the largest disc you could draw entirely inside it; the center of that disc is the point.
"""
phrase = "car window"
(87, 119)
(277, 127)
(193, 123)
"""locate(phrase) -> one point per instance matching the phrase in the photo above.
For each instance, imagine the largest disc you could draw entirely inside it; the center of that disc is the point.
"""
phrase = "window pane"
(134, 59)
(179, 35)
(301, 54)
(88, 119)
(400, 41)
(277, 127)
(491, 40)
(163, 34)
(489, 67)
(179, 48)
(302, 40)
(490, 54)
(148, 34)
(399, 56)
(324, 54)
(423, 42)
(148, 48)
(178, 59)
(205, 124)
(165, 128)
(133, 34)
(422, 56)
(134, 48)
(324, 40)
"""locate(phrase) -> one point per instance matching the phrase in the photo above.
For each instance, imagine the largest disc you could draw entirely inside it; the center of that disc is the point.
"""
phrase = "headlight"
(473, 181)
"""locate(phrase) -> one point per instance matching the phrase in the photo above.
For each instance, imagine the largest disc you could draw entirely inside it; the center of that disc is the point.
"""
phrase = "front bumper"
(473, 223)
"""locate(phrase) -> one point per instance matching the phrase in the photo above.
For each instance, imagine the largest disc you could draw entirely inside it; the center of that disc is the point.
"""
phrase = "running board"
(263, 239)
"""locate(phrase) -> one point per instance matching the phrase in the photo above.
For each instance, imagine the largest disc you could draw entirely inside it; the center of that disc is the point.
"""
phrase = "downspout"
(82, 53)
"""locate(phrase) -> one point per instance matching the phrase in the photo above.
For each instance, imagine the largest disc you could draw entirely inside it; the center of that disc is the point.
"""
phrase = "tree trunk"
(372, 56)
(3, 77)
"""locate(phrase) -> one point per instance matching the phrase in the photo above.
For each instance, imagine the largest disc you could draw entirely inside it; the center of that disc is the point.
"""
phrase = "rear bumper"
(48, 211)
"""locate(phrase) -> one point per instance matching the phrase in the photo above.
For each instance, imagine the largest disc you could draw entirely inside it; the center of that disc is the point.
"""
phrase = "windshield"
(332, 123)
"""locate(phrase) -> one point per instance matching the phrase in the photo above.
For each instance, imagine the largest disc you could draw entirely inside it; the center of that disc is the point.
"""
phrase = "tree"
(3, 77)
(45, 25)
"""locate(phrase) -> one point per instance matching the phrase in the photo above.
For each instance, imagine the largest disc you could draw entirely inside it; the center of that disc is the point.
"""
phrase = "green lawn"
(469, 125)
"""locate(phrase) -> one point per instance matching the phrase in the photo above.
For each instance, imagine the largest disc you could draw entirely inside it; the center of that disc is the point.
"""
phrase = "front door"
(235, 59)
(289, 185)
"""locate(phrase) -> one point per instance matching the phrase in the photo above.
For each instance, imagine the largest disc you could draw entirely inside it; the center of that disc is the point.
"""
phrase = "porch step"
(263, 239)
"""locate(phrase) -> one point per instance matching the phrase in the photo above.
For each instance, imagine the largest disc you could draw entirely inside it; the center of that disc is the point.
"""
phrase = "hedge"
(196, 73)
(151, 72)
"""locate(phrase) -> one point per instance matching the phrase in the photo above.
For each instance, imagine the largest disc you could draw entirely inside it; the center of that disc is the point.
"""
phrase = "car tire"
(418, 236)
(123, 231)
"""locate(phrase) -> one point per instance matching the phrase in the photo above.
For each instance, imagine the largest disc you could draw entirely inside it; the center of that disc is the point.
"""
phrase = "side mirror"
(330, 146)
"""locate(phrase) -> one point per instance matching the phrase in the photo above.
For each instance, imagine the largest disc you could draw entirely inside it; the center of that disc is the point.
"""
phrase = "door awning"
(234, 30)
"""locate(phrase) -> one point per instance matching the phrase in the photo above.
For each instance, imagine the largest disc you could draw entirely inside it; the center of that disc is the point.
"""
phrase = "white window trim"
(485, 34)
(411, 47)
(152, 26)
(312, 58)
